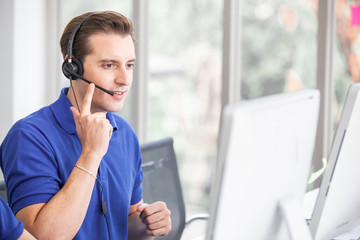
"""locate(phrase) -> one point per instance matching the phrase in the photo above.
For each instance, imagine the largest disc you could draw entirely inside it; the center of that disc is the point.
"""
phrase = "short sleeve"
(10, 227)
(29, 167)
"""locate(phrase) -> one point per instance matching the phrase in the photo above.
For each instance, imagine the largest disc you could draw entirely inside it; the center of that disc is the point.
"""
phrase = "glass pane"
(185, 85)
(70, 9)
(279, 46)
(346, 63)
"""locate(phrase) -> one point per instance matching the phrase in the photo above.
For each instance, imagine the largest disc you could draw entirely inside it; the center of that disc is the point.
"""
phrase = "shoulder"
(36, 120)
(29, 130)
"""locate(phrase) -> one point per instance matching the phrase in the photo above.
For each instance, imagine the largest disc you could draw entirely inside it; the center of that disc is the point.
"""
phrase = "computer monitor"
(337, 208)
(264, 158)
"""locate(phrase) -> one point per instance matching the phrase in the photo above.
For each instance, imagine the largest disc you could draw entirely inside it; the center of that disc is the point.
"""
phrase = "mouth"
(119, 92)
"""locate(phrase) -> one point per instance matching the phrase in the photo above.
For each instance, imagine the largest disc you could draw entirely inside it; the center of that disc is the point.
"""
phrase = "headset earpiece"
(75, 66)
(72, 65)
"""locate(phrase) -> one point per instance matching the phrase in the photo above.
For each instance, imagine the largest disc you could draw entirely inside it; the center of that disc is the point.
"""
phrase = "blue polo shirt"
(10, 227)
(40, 151)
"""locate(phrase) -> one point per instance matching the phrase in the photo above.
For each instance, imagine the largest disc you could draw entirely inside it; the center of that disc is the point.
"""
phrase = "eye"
(108, 65)
(131, 65)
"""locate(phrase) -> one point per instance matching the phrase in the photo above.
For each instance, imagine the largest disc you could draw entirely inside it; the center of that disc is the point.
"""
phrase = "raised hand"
(93, 129)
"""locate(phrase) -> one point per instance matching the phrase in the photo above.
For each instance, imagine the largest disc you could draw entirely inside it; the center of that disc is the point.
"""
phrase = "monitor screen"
(337, 208)
(265, 153)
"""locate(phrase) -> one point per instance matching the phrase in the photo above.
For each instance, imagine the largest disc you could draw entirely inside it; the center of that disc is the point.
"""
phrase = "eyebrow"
(115, 61)
(108, 60)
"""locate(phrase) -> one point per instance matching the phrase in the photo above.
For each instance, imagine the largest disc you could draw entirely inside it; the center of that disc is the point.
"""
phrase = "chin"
(115, 108)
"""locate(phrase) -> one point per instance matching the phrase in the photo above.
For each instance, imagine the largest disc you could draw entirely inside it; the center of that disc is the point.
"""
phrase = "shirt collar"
(110, 116)
(63, 114)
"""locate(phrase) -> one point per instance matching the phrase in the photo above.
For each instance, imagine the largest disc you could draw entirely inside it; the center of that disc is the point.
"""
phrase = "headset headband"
(72, 37)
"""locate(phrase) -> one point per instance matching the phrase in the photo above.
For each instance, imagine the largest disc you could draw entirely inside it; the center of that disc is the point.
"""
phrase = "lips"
(119, 93)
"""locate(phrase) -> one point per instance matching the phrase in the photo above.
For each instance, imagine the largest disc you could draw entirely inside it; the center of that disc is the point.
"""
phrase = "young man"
(10, 227)
(73, 169)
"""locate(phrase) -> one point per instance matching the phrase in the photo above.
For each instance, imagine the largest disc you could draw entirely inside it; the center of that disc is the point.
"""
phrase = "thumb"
(75, 113)
(141, 207)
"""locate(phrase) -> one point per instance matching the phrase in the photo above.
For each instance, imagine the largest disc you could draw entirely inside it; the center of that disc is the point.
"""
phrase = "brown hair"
(98, 22)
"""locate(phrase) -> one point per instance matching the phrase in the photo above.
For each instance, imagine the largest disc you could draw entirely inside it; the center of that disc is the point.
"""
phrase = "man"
(73, 169)
(10, 227)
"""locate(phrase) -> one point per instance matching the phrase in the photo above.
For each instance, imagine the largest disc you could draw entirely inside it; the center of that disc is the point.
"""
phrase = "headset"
(73, 69)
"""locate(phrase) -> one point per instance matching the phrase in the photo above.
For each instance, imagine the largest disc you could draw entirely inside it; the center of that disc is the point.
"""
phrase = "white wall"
(29, 59)
(29, 65)
(6, 65)
(28, 56)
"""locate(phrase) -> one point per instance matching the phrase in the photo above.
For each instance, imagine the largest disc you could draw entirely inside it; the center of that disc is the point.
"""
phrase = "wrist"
(85, 170)
(89, 161)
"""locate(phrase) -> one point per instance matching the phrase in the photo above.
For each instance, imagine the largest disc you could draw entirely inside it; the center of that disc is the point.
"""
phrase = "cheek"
(93, 73)
(82, 87)
(100, 95)
(131, 80)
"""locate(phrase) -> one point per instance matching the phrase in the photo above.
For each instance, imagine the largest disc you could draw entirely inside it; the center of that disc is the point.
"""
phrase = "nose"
(123, 76)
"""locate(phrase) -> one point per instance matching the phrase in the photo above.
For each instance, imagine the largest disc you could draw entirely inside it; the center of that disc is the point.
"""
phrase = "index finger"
(86, 105)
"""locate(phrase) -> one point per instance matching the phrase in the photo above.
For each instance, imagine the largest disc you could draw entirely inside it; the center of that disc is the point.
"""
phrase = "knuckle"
(146, 211)
(165, 231)
(87, 118)
(97, 121)
(86, 101)
(158, 233)
(152, 228)
(150, 233)
(163, 204)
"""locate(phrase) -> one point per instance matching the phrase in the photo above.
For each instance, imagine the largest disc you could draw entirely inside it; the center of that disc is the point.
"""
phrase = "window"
(279, 46)
(346, 55)
(185, 41)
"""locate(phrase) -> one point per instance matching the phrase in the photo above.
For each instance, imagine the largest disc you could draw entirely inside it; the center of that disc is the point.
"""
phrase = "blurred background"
(194, 57)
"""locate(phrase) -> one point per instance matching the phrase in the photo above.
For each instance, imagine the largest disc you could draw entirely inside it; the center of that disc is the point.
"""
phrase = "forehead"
(111, 46)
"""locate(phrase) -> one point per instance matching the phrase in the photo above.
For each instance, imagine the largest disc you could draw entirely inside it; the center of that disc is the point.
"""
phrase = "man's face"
(109, 65)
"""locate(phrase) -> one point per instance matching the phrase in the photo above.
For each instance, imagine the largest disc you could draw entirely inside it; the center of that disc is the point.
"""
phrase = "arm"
(63, 215)
(149, 221)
